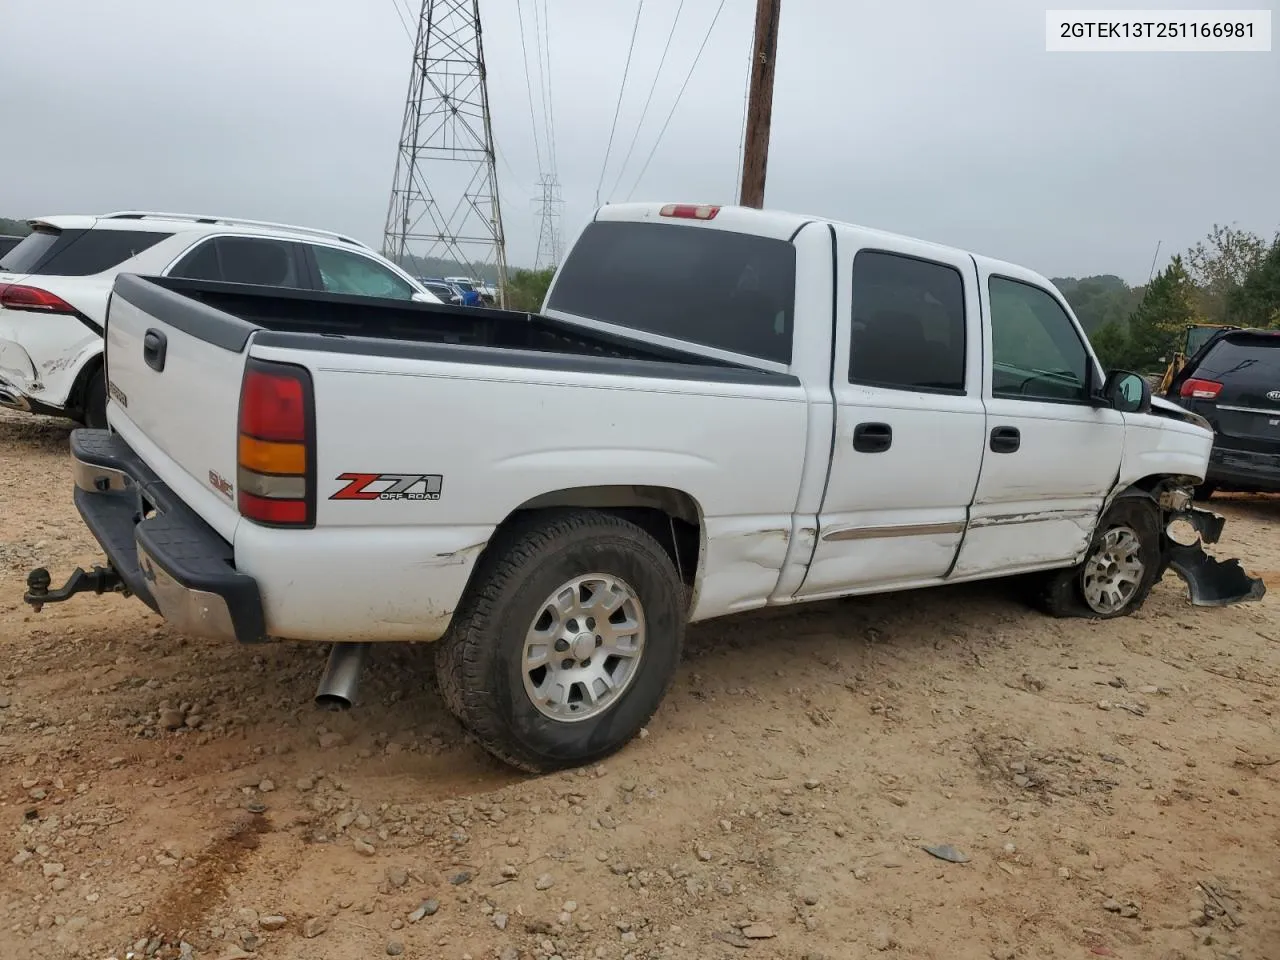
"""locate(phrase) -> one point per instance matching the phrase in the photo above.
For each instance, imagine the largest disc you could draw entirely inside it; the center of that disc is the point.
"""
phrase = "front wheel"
(566, 642)
(1119, 570)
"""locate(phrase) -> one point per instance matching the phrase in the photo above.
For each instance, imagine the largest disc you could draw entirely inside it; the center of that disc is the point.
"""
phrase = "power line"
(742, 136)
(551, 99)
(688, 76)
(503, 157)
(621, 90)
(528, 85)
(551, 102)
(649, 99)
(400, 14)
(544, 85)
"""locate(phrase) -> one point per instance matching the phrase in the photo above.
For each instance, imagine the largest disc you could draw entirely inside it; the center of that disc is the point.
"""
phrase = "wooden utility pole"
(760, 103)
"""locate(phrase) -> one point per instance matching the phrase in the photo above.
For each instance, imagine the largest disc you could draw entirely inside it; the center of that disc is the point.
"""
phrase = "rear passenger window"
(78, 253)
(270, 263)
(730, 291)
(907, 324)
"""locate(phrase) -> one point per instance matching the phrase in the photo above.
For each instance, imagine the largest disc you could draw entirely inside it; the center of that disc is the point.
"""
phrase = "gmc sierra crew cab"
(718, 409)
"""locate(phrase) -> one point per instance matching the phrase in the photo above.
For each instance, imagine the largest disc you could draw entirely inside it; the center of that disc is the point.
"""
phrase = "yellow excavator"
(1198, 335)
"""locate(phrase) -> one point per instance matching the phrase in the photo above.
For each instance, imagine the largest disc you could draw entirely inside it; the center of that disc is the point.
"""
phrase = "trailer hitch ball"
(38, 582)
(100, 580)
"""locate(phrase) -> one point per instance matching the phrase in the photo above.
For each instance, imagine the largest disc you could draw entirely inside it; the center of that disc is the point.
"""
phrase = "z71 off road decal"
(389, 486)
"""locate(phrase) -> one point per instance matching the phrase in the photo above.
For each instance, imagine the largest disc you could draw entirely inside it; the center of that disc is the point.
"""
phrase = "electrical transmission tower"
(444, 200)
(549, 233)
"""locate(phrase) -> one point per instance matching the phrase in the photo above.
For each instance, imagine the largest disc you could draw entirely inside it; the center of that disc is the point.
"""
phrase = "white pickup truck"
(719, 409)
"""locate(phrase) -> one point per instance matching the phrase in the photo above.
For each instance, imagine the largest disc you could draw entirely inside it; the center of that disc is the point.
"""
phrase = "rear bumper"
(162, 551)
(1244, 469)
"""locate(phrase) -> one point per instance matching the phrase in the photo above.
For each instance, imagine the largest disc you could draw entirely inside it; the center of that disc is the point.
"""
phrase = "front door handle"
(872, 437)
(1005, 440)
(154, 346)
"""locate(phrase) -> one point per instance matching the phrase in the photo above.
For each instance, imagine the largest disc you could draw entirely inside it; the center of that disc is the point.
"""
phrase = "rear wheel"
(566, 642)
(1119, 570)
(94, 405)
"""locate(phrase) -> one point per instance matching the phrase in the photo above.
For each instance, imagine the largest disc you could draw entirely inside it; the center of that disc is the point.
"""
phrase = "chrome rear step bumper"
(156, 546)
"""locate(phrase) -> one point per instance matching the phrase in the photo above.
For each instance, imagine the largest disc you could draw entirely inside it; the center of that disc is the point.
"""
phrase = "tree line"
(1232, 276)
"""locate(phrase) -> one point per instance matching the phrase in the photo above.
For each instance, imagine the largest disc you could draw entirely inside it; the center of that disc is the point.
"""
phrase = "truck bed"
(478, 413)
(356, 324)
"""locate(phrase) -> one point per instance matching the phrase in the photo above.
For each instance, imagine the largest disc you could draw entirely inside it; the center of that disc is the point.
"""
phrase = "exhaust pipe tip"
(341, 679)
(332, 702)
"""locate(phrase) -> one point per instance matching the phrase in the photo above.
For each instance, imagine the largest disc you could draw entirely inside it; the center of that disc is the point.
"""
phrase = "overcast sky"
(945, 120)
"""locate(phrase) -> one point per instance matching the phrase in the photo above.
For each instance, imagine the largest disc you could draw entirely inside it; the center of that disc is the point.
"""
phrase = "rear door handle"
(872, 437)
(1005, 440)
(154, 347)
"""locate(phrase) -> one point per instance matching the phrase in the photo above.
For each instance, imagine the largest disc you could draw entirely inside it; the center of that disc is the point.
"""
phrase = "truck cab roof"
(784, 225)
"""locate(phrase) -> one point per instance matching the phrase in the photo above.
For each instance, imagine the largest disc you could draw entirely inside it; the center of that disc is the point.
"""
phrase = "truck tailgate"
(174, 367)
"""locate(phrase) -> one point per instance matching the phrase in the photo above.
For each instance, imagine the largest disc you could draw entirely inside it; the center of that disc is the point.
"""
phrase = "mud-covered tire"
(94, 406)
(1062, 593)
(479, 662)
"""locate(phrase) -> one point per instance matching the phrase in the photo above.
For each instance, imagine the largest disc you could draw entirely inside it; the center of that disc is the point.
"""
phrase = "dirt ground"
(1113, 785)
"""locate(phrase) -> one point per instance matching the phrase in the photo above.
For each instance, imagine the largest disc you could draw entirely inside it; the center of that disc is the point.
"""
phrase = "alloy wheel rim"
(584, 647)
(1113, 571)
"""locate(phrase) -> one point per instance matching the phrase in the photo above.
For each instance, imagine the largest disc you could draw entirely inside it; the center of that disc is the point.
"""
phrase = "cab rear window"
(730, 291)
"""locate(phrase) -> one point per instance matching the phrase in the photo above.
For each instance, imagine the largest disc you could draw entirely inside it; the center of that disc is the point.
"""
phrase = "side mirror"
(1127, 392)
(424, 298)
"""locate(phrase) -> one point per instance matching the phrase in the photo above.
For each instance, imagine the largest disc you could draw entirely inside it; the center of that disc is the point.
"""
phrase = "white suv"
(54, 287)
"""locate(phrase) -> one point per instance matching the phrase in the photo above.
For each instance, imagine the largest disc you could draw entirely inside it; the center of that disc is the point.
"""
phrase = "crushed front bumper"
(1210, 582)
(156, 546)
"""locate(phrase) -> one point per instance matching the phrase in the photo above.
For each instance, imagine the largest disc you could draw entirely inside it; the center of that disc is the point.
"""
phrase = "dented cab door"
(909, 428)
(1050, 456)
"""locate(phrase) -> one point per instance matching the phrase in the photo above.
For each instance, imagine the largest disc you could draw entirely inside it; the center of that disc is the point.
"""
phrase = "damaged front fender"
(1210, 582)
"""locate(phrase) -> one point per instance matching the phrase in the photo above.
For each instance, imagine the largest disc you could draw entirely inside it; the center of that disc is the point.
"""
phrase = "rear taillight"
(1200, 389)
(690, 211)
(17, 296)
(276, 445)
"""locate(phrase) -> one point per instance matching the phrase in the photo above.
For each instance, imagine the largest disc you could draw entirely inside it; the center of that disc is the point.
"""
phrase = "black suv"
(1233, 381)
